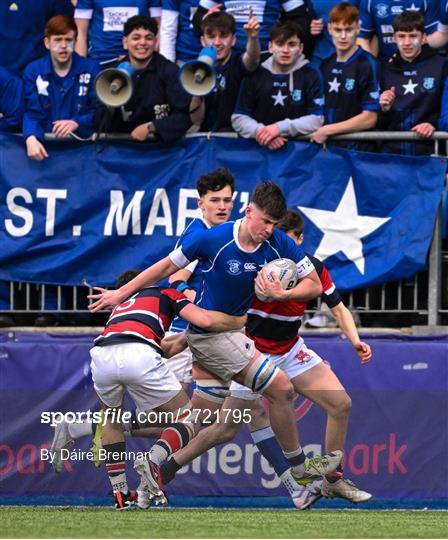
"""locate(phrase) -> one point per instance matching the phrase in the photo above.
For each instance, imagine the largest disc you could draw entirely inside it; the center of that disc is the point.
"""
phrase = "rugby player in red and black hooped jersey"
(127, 358)
(274, 327)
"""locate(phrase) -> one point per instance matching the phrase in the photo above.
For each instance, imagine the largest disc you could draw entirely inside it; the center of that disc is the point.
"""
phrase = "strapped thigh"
(208, 386)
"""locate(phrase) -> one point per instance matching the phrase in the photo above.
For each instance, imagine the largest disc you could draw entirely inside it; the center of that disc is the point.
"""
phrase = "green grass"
(73, 522)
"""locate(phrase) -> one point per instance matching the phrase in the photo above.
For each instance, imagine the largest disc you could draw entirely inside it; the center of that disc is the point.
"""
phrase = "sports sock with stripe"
(116, 466)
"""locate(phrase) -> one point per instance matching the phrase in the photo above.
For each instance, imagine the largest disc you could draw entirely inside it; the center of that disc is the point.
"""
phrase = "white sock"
(289, 482)
(79, 430)
(119, 483)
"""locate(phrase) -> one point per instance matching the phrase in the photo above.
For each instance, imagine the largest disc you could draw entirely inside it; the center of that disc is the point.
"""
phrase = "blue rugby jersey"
(22, 24)
(267, 12)
(229, 271)
(178, 15)
(197, 225)
(11, 101)
(107, 18)
(377, 16)
(443, 18)
(351, 87)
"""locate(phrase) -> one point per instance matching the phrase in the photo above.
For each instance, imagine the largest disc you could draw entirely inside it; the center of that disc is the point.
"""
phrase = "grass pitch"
(75, 522)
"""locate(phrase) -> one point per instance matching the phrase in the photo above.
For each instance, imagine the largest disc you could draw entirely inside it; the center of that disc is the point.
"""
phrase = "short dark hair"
(292, 221)
(140, 21)
(221, 21)
(214, 181)
(269, 198)
(409, 21)
(59, 25)
(282, 31)
(125, 277)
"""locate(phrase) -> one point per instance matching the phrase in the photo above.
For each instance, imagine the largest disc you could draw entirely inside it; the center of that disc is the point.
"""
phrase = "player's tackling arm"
(215, 321)
(348, 326)
(108, 299)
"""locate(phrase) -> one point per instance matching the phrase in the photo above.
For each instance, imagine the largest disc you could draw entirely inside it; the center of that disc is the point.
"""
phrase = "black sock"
(169, 469)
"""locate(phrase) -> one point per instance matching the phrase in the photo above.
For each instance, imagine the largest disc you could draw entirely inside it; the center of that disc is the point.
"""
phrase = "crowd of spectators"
(283, 69)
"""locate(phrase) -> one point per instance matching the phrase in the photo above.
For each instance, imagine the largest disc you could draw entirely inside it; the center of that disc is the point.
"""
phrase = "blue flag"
(91, 211)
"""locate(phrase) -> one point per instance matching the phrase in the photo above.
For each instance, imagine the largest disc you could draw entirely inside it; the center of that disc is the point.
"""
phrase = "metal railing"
(422, 295)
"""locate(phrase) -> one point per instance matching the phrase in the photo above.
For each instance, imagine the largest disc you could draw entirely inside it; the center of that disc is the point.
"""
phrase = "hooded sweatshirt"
(292, 100)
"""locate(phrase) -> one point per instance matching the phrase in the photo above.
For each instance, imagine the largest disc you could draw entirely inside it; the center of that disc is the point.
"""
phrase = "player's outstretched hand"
(364, 352)
(104, 300)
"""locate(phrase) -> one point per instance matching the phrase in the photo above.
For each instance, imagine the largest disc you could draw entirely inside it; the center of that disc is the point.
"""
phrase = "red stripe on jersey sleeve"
(325, 279)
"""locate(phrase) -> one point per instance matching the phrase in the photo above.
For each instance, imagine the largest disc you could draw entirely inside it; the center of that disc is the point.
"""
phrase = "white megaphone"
(198, 77)
(113, 86)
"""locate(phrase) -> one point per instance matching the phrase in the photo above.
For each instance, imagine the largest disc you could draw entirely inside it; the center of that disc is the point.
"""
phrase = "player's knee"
(342, 405)
(281, 389)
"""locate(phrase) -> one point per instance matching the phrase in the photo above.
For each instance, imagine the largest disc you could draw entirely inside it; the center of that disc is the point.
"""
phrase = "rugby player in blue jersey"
(235, 252)
(274, 326)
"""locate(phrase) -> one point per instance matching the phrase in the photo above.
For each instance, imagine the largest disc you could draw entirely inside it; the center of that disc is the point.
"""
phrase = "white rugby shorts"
(294, 362)
(180, 364)
(136, 368)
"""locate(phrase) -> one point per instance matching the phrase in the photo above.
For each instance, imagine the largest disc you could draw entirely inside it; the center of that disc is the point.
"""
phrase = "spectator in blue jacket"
(11, 101)
(413, 83)
(158, 105)
(59, 89)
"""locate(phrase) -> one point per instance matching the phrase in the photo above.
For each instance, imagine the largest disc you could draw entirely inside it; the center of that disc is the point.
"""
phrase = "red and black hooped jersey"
(143, 318)
(274, 326)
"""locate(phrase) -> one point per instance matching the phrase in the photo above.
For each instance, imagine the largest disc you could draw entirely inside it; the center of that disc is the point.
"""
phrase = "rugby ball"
(284, 269)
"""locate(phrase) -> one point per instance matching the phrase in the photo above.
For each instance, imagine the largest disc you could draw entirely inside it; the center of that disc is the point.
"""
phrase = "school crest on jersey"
(349, 85)
(296, 95)
(234, 267)
(221, 83)
(428, 83)
(381, 11)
